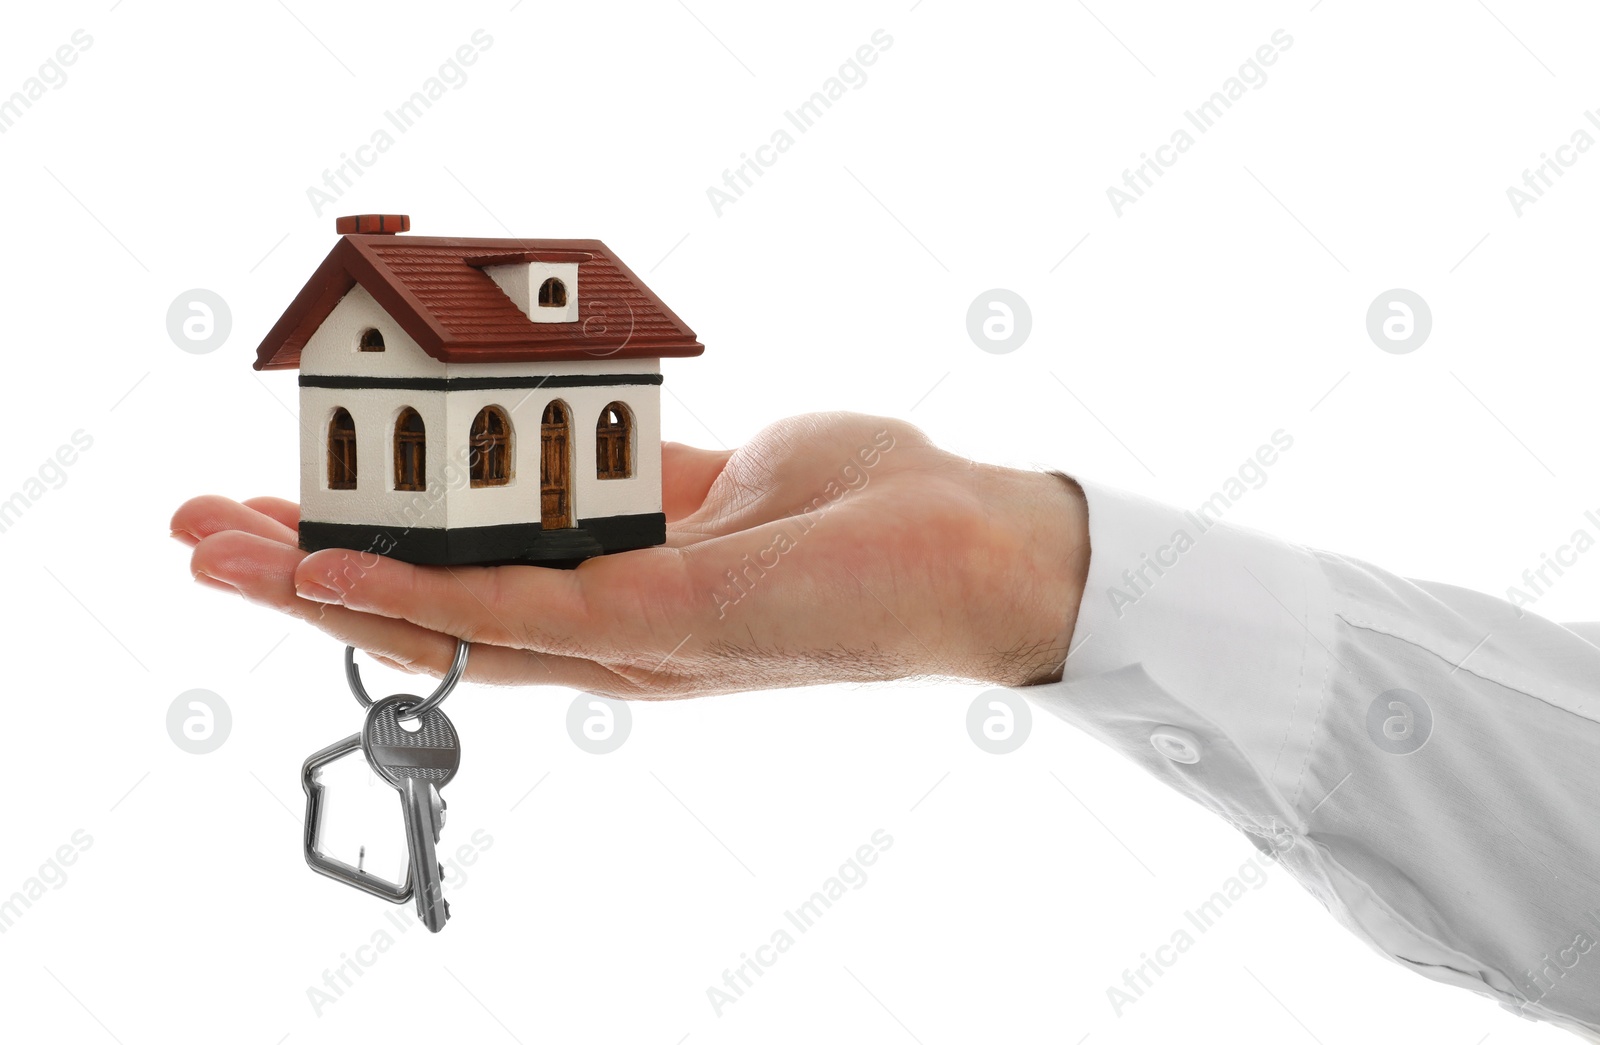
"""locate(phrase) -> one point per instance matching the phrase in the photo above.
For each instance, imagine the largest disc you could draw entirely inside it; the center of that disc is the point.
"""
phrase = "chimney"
(372, 224)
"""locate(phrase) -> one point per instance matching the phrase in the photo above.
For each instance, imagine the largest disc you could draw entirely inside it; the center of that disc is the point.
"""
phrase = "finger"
(478, 603)
(262, 571)
(285, 512)
(626, 602)
(687, 472)
(201, 517)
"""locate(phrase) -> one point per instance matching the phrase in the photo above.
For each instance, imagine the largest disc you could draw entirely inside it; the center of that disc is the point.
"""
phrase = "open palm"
(831, 547)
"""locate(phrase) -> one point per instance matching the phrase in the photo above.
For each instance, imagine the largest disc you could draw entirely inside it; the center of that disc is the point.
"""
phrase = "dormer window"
(371, 340)
(552, 294)
(542, 284)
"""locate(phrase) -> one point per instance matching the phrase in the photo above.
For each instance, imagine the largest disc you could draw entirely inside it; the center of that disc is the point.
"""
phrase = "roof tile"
(438, 292)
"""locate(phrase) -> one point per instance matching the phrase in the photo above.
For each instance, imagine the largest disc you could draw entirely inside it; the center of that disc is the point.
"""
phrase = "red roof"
(436, 289)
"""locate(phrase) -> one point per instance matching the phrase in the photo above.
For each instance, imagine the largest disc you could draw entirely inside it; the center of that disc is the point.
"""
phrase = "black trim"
(492, 545)
(463, 384)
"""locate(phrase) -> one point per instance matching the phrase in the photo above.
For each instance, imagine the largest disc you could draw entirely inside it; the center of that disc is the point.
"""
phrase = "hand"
(831, 547)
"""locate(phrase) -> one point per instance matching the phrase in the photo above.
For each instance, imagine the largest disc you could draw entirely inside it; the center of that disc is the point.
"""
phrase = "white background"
(1229, 302)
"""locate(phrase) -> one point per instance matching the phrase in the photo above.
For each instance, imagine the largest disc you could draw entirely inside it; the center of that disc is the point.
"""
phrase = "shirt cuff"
(1228, 627)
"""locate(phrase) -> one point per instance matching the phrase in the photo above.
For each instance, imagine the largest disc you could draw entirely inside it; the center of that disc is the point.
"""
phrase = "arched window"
(410, 451)
(341, 451)
(371, 340)
(613, 443)
(491, 448)
(552, 294)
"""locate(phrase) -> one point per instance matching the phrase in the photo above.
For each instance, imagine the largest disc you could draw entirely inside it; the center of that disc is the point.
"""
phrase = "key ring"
(426, 704)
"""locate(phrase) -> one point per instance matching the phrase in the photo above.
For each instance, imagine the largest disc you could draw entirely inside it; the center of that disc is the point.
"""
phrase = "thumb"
(687, 472)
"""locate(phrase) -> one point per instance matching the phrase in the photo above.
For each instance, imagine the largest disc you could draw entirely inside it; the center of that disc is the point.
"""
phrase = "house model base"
(477, 400)
(503, 545)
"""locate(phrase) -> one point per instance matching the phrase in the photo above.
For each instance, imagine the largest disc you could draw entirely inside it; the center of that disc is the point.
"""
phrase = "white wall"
(590, 497)
(374, 501)
(448, 416)
(333, 349)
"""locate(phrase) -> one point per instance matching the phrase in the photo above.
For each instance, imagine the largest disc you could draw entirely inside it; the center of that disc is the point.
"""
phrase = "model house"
(476, 400)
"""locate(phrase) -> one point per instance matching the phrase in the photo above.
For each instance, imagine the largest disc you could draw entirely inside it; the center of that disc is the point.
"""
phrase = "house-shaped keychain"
(476, 400)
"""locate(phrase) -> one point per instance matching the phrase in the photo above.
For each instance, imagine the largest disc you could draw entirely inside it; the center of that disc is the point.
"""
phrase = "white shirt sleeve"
(1423, 758)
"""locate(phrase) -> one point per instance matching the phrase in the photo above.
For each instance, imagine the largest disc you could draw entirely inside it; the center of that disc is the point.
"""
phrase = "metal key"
(418, 764)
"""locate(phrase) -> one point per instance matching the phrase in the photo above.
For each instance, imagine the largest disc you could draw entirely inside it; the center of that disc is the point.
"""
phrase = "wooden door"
(555, 467)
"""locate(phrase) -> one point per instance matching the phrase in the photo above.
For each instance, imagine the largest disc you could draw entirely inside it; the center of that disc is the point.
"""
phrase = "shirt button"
(1180, 745)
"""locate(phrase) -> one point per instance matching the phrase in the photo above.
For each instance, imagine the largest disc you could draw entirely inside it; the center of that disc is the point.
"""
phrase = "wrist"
(1039, 591)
